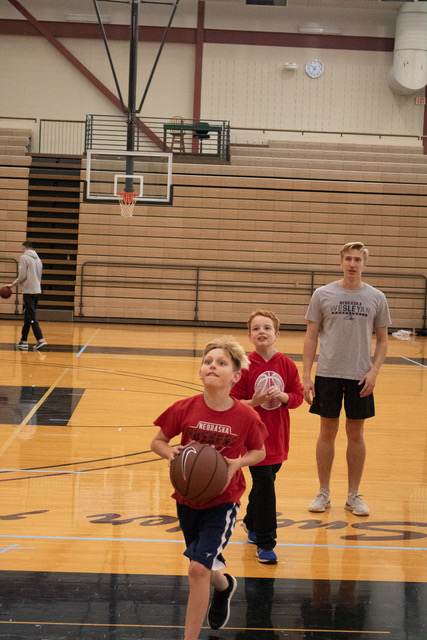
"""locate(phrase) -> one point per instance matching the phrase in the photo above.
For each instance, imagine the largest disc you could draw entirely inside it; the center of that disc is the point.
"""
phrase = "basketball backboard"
(147, 174)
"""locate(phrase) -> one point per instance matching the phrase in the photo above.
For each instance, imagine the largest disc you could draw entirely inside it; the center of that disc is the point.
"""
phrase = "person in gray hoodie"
(29, 278)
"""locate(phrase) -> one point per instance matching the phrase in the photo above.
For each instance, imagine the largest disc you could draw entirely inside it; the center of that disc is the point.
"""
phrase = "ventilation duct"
(408, 72)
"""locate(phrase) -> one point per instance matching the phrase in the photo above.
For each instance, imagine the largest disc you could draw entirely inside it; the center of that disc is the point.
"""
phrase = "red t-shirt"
(232, 432)
(281, 371)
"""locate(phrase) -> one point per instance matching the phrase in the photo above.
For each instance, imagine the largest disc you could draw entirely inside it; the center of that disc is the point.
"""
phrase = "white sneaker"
(356, 505)
(22, 345)
(40, 343)
(321, 502)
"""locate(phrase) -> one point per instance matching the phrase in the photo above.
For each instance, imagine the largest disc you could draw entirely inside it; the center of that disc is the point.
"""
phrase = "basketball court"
(90, 543)
(90, 546)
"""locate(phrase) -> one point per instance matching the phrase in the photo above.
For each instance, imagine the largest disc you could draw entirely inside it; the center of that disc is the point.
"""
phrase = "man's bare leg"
(356, 453)
(325, 450)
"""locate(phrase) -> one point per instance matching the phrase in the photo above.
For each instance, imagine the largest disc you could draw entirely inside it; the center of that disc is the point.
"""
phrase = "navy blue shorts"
(207, 531)
(330, 392)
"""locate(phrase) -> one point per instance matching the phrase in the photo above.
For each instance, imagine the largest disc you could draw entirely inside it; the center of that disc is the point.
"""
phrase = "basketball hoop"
(127, 201)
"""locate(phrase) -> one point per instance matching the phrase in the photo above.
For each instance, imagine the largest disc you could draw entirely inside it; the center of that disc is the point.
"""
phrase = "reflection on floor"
(16, 403)
(40, 605)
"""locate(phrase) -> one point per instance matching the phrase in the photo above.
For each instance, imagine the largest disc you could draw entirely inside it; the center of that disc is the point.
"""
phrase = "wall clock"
(314, 68)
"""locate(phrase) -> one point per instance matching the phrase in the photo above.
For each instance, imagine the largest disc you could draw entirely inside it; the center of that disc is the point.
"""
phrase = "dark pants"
(261, 510)
(31, 301)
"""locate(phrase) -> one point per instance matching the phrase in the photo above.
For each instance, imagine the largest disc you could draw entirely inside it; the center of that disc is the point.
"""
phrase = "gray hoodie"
(29, 272)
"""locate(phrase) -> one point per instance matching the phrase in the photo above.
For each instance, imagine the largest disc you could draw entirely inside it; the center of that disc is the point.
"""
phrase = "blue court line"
(13, 546)
(81, 351)
(279, 544)
(415, 362)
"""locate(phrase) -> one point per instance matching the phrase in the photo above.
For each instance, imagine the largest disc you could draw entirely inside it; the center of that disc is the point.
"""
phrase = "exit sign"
(420, 100)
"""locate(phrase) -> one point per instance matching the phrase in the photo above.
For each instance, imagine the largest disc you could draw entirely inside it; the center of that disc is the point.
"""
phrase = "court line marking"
(87, 343)
(18, 430)
(39, 471)
(415, 362)
(168, 626)
(15, 547)
(279, 544)
(62, 435)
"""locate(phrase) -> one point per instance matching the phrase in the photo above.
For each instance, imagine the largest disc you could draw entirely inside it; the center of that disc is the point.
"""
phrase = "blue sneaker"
(266, 556)
(251, 534)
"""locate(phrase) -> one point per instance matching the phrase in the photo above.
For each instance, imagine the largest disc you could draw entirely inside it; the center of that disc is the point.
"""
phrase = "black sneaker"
(219, 611)
(22, 345)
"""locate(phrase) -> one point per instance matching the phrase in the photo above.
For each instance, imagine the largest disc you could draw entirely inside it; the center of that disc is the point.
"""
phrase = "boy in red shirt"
(238, 433)
(272, 386)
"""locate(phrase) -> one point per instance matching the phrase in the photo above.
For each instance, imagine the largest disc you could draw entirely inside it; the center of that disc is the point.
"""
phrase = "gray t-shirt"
(346, 321)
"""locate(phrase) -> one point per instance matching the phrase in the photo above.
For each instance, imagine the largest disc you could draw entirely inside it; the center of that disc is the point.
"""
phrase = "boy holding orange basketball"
(272, 386)
(238, 433)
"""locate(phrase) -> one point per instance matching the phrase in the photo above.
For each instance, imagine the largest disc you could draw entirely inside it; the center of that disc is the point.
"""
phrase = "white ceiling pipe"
(408, 72)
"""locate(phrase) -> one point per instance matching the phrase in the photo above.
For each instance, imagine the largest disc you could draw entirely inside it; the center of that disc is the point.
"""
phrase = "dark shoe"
(219, 611)
(22, 345)
(266, 556)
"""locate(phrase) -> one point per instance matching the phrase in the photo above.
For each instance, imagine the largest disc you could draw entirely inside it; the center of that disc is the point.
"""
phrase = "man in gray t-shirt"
(344, 314)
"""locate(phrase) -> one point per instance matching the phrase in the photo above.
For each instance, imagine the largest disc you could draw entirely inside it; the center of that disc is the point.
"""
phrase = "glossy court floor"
(89, 542)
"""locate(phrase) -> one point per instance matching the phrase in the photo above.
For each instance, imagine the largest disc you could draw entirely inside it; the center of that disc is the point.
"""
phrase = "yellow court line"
(167, 626)
(18, 430)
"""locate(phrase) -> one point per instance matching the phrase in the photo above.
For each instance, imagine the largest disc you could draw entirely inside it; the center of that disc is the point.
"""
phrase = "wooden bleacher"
(276, 213)
(14, 173)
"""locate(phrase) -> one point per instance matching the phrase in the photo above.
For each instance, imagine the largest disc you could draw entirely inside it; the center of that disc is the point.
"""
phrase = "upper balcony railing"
(110, 132)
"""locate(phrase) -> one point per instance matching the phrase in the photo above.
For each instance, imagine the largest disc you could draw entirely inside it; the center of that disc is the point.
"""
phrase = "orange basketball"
(5, 292)
(199, 472)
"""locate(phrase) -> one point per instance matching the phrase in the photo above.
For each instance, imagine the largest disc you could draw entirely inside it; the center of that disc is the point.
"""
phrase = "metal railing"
(199, 137)
(110, 132)
(65, 137)
(334, 133)
(200, 286)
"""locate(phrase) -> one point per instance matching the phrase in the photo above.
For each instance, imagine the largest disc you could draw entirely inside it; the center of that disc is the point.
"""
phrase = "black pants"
(31, 301)
(261, 510)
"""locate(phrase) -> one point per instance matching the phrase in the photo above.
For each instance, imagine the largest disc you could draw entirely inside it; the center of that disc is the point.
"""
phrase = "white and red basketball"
(264, 382)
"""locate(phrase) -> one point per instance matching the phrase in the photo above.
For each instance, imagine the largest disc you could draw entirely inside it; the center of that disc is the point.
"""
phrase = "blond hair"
(265, 314)
(230, 345)
(355, 245)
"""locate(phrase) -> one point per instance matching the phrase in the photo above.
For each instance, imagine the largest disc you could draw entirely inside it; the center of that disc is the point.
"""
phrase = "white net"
(127, 201)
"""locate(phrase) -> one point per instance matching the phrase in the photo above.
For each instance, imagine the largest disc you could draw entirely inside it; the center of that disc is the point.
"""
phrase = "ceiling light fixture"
(317, 29)
(85, 17)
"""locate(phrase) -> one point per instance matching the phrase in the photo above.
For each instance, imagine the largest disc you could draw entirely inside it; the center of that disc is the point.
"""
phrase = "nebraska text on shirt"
(209, 426)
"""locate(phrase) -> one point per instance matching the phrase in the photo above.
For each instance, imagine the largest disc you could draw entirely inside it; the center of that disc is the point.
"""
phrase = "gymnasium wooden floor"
(89, 542)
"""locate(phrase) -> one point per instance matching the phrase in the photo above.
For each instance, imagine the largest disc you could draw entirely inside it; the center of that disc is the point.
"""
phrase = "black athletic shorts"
(207, 531)
(330, 392)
